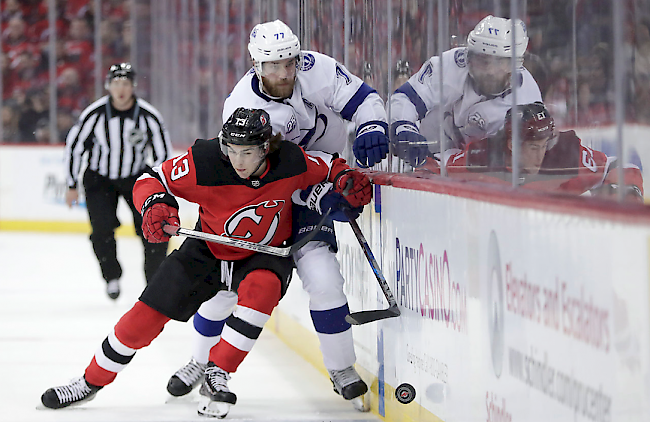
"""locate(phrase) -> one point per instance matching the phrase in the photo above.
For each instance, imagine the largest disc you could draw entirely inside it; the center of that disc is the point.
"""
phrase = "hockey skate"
(77, 392)
(347, 383)
(186, 378)
(113, 289)
(216, 398)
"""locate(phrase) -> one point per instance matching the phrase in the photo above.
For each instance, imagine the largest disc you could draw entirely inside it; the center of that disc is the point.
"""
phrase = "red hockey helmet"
(535, 120)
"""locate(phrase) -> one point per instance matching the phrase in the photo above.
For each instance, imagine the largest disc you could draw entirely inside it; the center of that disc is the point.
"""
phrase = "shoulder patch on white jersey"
(427, 70)
(340, 73)
(460, 57)
(292, 124)
(307, 61)
(476, 119)
(308, 103)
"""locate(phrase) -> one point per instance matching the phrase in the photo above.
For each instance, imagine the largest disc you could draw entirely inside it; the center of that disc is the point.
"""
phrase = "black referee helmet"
(120, 70)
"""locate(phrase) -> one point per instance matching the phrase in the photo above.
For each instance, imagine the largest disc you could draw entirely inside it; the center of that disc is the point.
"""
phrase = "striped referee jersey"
(116, 141)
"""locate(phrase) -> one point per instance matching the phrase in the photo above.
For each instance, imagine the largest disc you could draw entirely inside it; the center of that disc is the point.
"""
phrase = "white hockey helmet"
(272, 41)
(492, 36)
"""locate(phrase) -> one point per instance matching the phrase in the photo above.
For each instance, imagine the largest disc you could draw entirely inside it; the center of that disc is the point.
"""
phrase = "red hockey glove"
(152, 222)
(354, 186)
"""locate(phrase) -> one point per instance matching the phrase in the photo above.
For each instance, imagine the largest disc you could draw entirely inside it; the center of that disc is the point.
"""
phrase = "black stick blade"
(364, 317)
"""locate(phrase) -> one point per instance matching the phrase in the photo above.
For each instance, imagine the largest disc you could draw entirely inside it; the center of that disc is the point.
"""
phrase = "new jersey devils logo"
(255, 223)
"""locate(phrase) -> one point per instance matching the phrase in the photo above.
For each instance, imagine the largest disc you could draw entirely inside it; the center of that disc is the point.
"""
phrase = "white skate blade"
(213, 409)
(361, 404)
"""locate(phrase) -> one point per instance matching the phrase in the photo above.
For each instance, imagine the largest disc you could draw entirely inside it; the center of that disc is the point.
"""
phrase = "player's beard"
(282, 90)
(491, 85)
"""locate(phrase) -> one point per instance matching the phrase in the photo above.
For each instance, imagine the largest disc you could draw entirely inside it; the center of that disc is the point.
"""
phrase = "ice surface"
(54, 313)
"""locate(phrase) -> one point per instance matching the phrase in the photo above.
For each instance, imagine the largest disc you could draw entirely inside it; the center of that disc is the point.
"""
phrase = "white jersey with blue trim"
(468, 115)
(326, 97)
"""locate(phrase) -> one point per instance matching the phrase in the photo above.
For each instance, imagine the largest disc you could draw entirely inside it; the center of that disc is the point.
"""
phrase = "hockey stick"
(242, 244)
(363, 317)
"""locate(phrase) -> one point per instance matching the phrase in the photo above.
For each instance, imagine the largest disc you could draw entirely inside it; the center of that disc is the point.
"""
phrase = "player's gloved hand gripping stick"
(238, 243)
(363, 317)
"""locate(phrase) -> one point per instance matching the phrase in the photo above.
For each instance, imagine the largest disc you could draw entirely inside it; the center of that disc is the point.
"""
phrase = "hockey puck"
(405, 393)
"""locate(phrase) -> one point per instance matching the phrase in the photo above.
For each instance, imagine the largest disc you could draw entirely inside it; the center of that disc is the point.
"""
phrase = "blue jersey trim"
(206, 327)
(413, 96)
(331, 321)
(356, 100)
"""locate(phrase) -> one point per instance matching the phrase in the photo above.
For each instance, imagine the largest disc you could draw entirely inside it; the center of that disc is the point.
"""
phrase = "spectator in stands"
(64, 122)
(115, 10)
(538, 68)
(590, 112)
(548, 160)
(6, 77)
(14, 40)
(642, 50)
(109, 34)
(599, 71)
(20, 97)
(35, 108)
(557, 93)
(641, 74)
(25, 74)
(71, 94)
(641, 105)
(123, 45)
(80, 37)
(42, 132)
(10, 131)
(74, 9)
(61, 56)
(79, 50)
(39, 31)
(11, 9)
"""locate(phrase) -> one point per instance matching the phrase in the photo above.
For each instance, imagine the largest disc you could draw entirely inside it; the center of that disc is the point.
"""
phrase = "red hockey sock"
(226, 356)
(259, 291)
(96, 375)
(138, 327)
(135, 330)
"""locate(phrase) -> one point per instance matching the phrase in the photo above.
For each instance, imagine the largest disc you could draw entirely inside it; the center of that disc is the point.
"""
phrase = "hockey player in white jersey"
(311, 98)
(476, 91)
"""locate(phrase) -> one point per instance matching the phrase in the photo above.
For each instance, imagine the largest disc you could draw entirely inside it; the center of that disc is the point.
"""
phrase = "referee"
(116, 132)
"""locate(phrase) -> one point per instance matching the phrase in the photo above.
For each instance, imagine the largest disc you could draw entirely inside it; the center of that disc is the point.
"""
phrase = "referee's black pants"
(102, 194)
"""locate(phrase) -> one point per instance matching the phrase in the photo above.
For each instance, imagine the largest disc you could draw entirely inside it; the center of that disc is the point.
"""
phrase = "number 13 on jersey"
(180, 169)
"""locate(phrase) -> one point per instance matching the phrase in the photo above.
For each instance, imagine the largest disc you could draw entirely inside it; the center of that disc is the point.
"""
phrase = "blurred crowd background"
(188, 54)
(26, 58)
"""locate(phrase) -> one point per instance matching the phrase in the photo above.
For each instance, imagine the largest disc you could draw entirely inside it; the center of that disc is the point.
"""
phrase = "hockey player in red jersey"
(312, 100)
(548, 160)
(243, 182)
